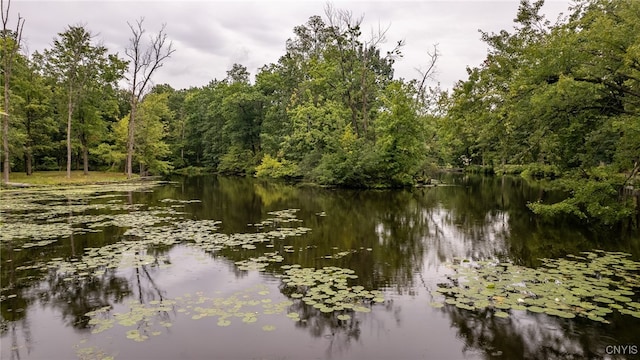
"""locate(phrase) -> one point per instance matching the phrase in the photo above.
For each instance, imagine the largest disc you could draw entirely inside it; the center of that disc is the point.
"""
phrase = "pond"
(238, 268)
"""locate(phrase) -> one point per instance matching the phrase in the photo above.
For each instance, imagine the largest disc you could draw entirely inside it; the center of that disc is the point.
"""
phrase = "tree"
(243, 113)
(176, 126)
(76, 65)
(10, 47)
(153, 116)
(400, 134)
(98, 104)
(38, 124)
(145, 60)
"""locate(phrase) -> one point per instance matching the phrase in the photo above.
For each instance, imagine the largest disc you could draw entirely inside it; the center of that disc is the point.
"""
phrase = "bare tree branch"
(430, 72)
(144, 63)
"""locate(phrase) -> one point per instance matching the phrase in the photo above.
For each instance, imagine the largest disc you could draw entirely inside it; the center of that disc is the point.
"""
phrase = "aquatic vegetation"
(157, 226)
(279, 217)
(10, 231)
(149, 318)
(92, 353)
(260, 263)
(591, 286)
(340, 254)
(327, 289)
(45, 219)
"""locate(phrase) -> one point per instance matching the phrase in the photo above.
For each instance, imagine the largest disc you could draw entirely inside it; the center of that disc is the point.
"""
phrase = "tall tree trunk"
(28, 161)
(28, 151)
(69, 114)
(5, 133)
(85, 159)
(130, 140)
(182, 144)
(5, 123)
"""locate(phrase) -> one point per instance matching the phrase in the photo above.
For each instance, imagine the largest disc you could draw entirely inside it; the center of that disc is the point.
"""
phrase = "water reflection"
(399, 241)
(538, 336)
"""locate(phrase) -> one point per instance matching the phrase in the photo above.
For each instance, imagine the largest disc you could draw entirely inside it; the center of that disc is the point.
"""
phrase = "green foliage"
(151, 149)
(540, 171)
(552, 99)
(108, 154)
(400, 134)
(277, 169)
(353, 163)
(48, 163)
(84, 75)
(237, 161)
(592, 201)
(549, 99)
(561, 94)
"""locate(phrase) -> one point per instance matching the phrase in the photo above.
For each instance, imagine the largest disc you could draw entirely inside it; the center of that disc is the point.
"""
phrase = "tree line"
(551, 98)
(69, 94)
(556, 99)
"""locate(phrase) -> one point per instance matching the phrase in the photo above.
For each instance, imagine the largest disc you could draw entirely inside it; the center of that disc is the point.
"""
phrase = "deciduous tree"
(145, 60)
(11, 42)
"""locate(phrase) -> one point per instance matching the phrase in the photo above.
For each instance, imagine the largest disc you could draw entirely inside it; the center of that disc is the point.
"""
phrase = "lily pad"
(574, 286)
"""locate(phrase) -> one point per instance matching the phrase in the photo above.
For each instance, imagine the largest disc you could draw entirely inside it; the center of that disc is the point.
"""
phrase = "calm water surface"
(399, 242)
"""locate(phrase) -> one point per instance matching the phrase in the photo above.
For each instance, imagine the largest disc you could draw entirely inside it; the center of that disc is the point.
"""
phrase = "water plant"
(145, 319)
(327, 289)
(591, 285)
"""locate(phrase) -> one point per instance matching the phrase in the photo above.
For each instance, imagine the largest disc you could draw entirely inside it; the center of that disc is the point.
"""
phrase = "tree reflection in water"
(399, 241)
(533, 336)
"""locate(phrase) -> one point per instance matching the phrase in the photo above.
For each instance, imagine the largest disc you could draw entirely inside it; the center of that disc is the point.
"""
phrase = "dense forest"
(551, 99)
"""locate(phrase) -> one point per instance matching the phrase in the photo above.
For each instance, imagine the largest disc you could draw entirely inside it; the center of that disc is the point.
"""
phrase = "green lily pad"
(535, 309)
(569, 287)
(361, 309)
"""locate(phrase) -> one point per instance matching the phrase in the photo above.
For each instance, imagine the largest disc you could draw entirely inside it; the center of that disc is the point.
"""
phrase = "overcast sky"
(209, 36)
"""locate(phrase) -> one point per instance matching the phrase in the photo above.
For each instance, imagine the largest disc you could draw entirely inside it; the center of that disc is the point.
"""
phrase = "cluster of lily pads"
(280, 216)
(591, 286)
(259, 263)
(43, 217)
(146, 228)
(149, 319)
(328, 289)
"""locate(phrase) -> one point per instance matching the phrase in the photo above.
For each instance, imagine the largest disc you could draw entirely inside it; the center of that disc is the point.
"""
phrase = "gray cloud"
(209, 36)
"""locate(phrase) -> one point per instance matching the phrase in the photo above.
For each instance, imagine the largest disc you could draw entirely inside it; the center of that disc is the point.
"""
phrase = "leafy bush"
(510, 169)
(273, 168)
(237, 162)
(48, 163)
(540, 171)
(589, 201)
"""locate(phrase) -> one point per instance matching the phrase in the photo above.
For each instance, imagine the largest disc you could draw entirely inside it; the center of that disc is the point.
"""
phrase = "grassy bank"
(45, 178)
